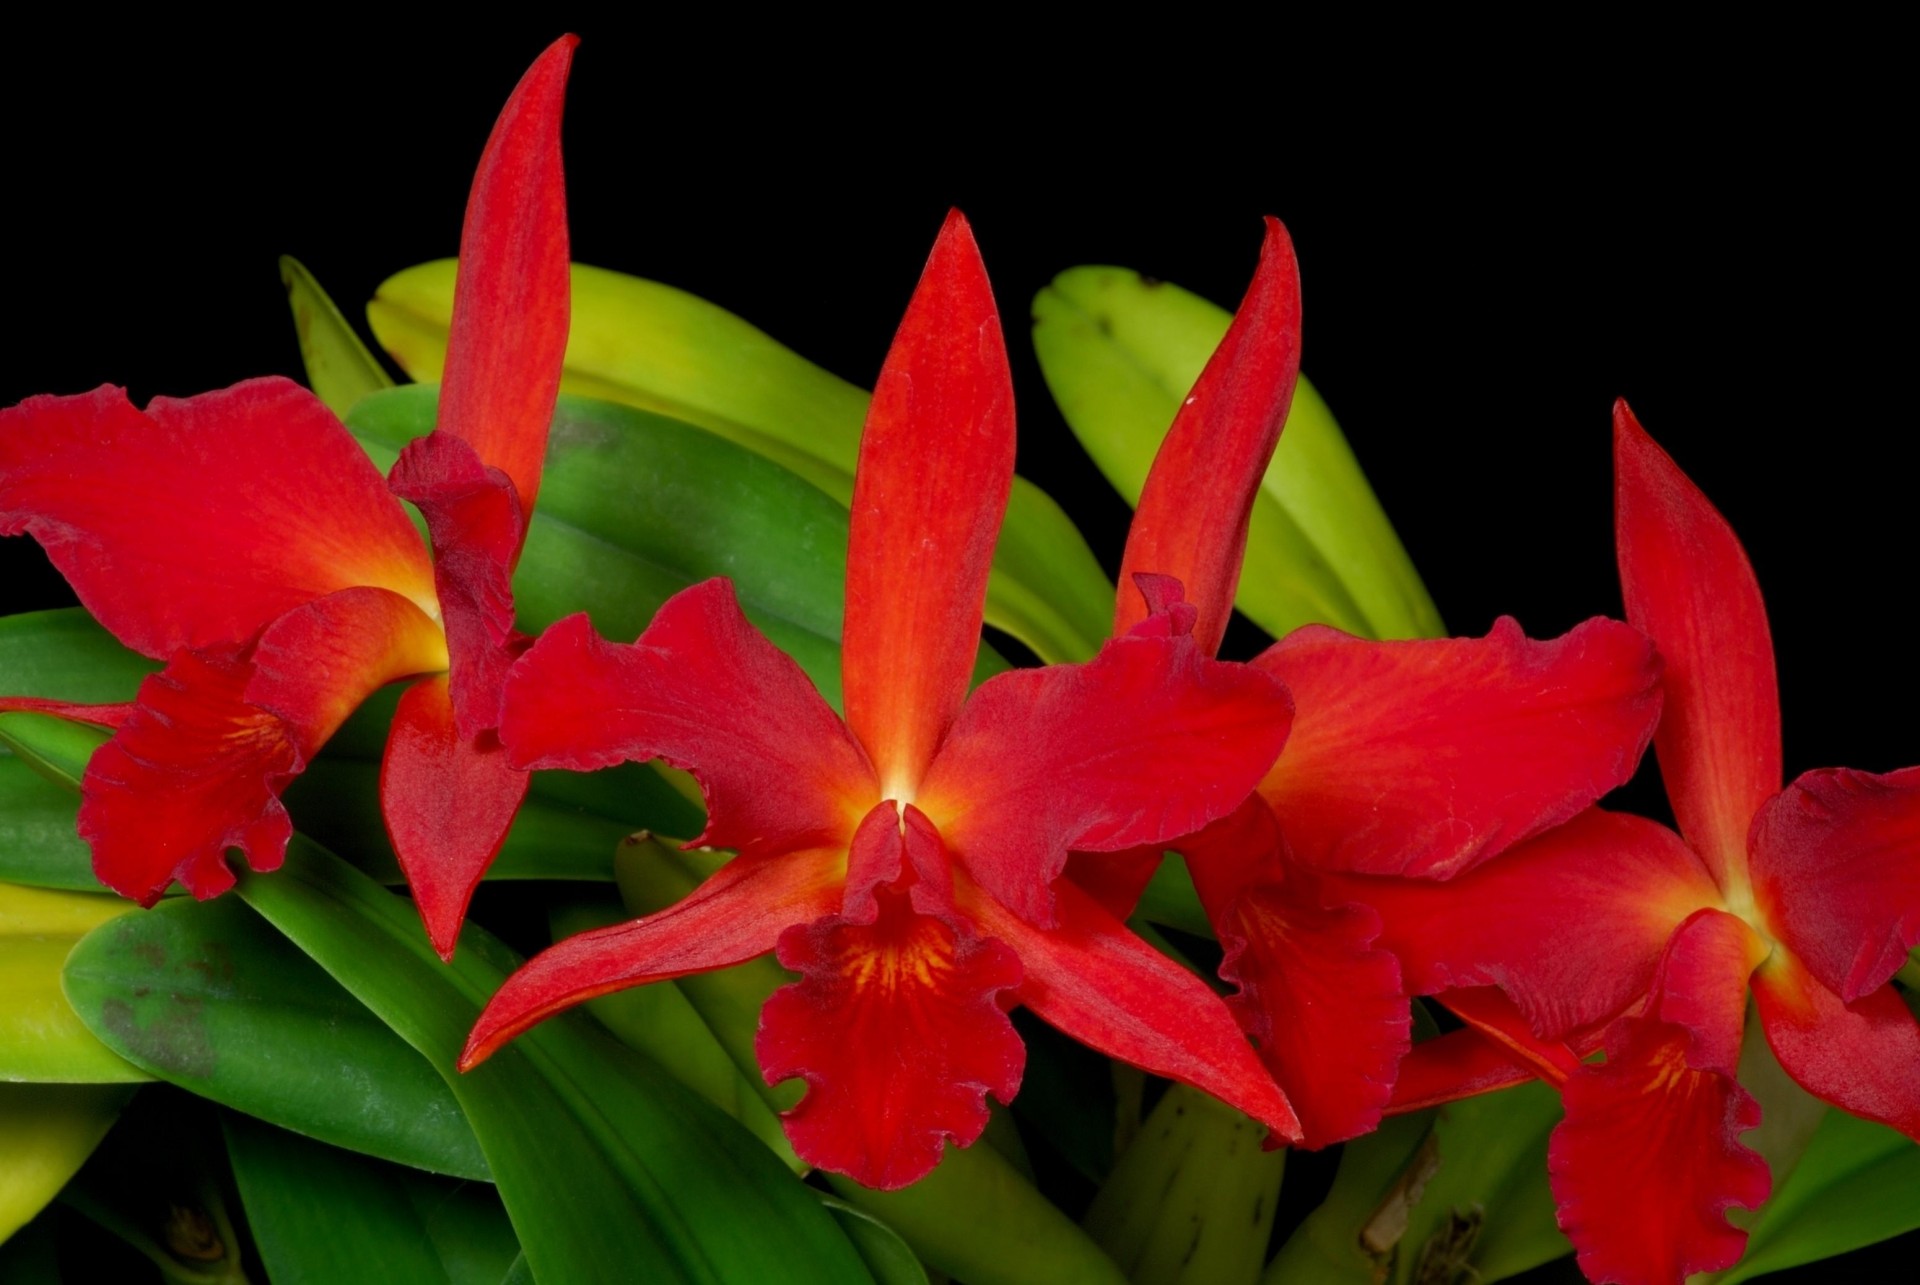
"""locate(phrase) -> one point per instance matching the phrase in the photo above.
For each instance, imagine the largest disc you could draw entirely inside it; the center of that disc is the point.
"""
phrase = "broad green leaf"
(608, 1169)
(38, 844)
(208, 997)
(340, 370)
(975, 1216)
(1192, 1199)
(660, 349)
(47, 1131)
(1854, 1186)
(886, 1254)
(320, 1215)
(1354, 1234)
(1121, 352)
(1487, 1209)
(41, 1038)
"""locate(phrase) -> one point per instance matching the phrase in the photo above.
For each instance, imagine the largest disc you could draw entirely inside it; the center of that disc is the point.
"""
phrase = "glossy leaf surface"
(207, 996)
(662, 350)
(607, 1168)
(1120, 353)
(321, 1215)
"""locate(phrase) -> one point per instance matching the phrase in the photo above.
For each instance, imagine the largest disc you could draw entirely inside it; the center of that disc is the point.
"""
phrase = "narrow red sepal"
(1836, 870)
(512, 299)
(1103, 986)
(936, 466)
(899, 1028)
(174, 524)
(1191, 522)
(1424, 758)
(704, 690)
(111, 715)
(1459, 1064)
(1147, 742)
(448, 800)
(1690, 589)
(1864, 1056)
(737, 914)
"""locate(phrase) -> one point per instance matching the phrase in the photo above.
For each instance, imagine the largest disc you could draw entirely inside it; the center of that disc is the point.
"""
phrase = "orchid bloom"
(245, 539)
(1416, 759)
(903, 861)
(1808, 896)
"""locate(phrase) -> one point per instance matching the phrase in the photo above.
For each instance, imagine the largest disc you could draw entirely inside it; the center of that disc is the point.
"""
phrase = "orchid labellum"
(1414, 758)
(904, 861)
(244, 538)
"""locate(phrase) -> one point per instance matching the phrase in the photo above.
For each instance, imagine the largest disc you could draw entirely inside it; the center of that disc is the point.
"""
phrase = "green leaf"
(320, 1215)
(608, 1169)
(1351, 1237)
(38, 844)
(886, 1255)
(1121, 352)
(208, 997)
(340, 370)
(1853, 1187)
(47, 1131)
(659, 349)
(41, 1038)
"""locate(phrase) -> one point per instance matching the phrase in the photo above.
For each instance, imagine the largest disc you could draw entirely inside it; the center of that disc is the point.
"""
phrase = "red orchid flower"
(243, 537)
(903, 861)
(1418, 759)
(1808, 896)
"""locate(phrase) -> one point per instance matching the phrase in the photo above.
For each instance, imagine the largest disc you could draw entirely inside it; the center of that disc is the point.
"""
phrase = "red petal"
(511, 301)
(1648, 1159)
(1570, 924)
(1146, 742)
(1425, 758)
(1116, 879)
(1488, 1011)
(448, 800)
(1836, 870)
(1459, 1064)
(735, 915)
(1191, 522)
(196, 522)
(1864, 1057)
(898, 1028)
(705, 691)
(1324, 1007)
(1690, 589)
(477, 525)
(98, 715)
(1105, 987)
(936, 465)
(197, 768)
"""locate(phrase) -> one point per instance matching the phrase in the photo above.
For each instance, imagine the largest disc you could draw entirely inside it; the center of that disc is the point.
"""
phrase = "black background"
(1492, 248)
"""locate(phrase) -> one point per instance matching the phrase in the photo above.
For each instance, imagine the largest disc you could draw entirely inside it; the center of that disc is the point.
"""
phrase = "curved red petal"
(705, 691)
(477, 524)
(448, 800)
(1191, 522)
(1690, 589)
(111, 715)
(198, 766)
(1488, 1011)
(936, 466)
(1569, 924)
(737, 914)
(1864, 1056)
(1105, 987)
(1147, 742)
(899, 1028)
(1648, 1160)
(1323, 1005)
(1424, 758)
(1116, 880)
(1836, 870)
(511, 301)
(196, 522)
(1459, 1064)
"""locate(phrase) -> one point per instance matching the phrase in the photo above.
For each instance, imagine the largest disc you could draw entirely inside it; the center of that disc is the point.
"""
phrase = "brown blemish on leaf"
(173, 1039)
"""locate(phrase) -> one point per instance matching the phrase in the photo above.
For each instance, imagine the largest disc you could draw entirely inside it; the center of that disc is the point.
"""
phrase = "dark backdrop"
(1491, 253)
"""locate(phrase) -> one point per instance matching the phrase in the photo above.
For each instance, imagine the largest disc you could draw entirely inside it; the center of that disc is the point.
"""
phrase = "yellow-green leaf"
(340, 370)
(41, 1038)
(1120, 352)
(47, 1131)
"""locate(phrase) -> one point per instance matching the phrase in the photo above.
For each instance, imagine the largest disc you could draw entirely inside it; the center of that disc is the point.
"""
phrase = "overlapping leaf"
(41, 1038)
